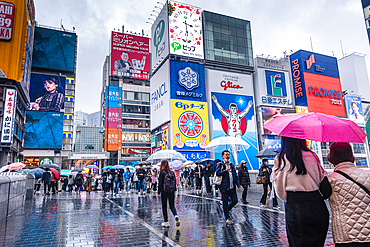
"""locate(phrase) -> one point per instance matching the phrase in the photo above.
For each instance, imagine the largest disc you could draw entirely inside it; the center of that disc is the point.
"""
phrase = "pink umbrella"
(16, 166)
(55, 172)
(316, 127)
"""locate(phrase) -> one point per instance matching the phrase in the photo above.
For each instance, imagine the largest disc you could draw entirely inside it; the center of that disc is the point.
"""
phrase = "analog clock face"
(185, 29)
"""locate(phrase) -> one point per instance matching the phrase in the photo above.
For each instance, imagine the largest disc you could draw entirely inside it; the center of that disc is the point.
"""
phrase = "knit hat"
(340, 152)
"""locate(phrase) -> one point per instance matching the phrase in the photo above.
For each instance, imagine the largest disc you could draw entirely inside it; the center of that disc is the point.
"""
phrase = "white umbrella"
(166, 155)
(4, 168)
(176, 165)
(221, 143)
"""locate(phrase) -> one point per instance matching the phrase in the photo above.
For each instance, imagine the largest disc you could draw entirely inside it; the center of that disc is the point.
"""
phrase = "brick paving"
(131, 220)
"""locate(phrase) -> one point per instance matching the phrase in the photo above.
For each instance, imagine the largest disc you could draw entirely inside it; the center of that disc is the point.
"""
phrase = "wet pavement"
(96, 219)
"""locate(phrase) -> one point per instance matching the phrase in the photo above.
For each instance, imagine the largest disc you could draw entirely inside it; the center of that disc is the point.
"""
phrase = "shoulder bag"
(218, 179)
(348, 177)
(261, 179)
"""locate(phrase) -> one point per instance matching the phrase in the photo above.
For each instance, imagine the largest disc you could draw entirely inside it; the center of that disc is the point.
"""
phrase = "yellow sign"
(190, 125)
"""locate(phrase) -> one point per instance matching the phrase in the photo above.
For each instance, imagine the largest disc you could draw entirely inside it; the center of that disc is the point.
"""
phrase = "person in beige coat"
(350, 204)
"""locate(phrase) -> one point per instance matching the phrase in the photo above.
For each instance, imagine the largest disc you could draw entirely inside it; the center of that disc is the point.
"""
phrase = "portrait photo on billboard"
(354, 110)
(53, 49)
(43, 130)
(269, 113)
(234, 115)
(47, 93)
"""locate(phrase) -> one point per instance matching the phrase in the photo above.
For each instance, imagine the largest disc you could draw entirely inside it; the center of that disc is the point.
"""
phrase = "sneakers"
(177, 220)
(165, 224)
(229, 222)
(277, 207)
(262, 205)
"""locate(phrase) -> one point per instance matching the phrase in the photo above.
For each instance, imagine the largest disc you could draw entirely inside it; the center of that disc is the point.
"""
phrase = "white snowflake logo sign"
(188, 78)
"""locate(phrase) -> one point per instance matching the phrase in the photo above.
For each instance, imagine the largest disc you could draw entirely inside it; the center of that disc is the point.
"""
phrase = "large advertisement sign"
(47, 93)
(269, 113)
(6, 20)
(354, 110)
(159, 43)
(113, 139)
(160, 97)
(113, 96)
(113, 117)
(8, 116)
(190, 125)
(187, 81)
(316, 83)
(135, 137)
(53, 49)
(43, 130)
(185, 30)
(159, 139)
(233, 115)
(130, 56)
(26, 78)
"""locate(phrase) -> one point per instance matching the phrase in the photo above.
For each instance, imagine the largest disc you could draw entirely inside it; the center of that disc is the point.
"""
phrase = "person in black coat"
(198, 174)
(208, 173)
(265, 171)
(79, 181)
(244, 179)
(46, 179)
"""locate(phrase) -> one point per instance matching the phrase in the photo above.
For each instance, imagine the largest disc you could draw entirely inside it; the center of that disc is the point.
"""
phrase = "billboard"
(354, 110)
(54, 49)
(130, 56)
(187, 81)
(113, 139)
(316, 83)
(190, 125)
(160, 96)
(113, 117)
(233, 115)
(43, 130)
(26, 78)
(273, 143)
(160, 45)
(15, 18)
(8, 116)
(269, 113)
(47, 93)
(113, 96)
(135, 137)
(185, 30)
(159, 139)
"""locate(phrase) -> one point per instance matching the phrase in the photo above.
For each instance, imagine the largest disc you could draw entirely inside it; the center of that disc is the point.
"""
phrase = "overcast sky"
(277, 26)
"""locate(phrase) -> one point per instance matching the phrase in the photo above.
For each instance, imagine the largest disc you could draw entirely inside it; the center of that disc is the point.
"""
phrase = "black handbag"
(325, 188)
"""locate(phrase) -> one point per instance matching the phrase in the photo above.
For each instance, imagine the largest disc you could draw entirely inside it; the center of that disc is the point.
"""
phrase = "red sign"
(130, 56)
(6, 20)
(324, 94)
(229, 84)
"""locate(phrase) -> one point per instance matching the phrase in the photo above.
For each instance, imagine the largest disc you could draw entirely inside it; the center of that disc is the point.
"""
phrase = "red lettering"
(229, 84)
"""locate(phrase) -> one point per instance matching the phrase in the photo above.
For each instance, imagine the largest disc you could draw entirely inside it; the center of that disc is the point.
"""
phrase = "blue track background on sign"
(250, 137)
(175, 66)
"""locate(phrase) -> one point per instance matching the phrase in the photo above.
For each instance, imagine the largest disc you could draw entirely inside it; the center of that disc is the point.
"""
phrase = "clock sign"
(185, 30)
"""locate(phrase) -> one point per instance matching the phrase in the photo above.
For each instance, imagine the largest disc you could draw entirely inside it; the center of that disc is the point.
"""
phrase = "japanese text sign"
(6, 20)
(8, 116)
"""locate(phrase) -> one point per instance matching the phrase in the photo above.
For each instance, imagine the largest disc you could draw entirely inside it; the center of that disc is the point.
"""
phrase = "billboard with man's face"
(354, 109)
(47, 93)
(130, 56)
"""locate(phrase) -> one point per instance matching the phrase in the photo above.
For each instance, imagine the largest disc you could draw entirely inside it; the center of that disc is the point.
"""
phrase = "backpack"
(169, 184)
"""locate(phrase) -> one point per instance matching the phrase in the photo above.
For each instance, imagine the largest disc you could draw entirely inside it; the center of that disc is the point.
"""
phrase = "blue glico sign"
(187, 81)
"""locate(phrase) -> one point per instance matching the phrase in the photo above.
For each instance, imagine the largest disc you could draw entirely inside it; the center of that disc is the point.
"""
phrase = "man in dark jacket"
(191, 177)
(46, 179)
(141, 174)
(244, 179)
(208, 173)
(185, 174)
(199, 176)
(230, 181)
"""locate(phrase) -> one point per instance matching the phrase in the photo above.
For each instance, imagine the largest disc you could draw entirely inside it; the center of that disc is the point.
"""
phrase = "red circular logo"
(190, 124)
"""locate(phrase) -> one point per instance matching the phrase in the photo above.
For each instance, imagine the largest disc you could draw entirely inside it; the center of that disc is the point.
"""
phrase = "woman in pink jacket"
(296, 177)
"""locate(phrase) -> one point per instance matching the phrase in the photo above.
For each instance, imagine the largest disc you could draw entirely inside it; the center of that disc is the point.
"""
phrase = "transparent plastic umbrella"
(169, 155)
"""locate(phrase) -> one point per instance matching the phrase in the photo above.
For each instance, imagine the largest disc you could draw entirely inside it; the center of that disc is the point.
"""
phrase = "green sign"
(158, 35)
(46, 161)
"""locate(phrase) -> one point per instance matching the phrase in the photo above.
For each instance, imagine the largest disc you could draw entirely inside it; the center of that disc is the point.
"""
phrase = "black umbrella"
(55, 166)
(77, 170)
(267, 153)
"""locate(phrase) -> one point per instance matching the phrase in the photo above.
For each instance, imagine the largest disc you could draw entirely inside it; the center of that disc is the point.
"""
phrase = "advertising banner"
(187, 81)
(135, 137)
(159, 139)
(8, 116)
(229, 82)
(159, 43)
(54, 49)
(194, 155)
(233, 115)
(113, 117)
(160, 97)
(269, 113)
(113, 139)
(190, 125)
(26, 78)
(6, 20)
(43, 130)
(185, 30)
(354, 110)
(273, 143)
(47, 93)
(130, 56)
(113, 96)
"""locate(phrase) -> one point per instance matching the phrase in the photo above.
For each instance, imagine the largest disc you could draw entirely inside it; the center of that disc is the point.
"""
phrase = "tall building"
(79, 119)
(16, 39)
(49, 116)
(93, 119)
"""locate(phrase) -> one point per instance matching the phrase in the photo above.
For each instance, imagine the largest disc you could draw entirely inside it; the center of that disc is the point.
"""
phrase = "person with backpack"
(166, 190)
(141, 174)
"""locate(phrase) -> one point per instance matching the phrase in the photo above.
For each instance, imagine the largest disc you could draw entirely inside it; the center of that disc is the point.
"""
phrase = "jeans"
(225, 201)
(46, 187)
(171, 199)
(191, 181)
(115, 186)
(127, 184)
(141, 185)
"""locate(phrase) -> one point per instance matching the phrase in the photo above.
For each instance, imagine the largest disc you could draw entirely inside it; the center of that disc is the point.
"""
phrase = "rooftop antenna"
(61, 24)
(142, 32)
(123, 28)
(341, 45)
(311, 44)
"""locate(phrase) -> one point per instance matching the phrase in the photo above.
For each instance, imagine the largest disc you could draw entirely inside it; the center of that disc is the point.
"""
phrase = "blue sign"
(273, 143)
(275, 83)
(354, 110)
(113, 96)
(194, 155)
(187, 81)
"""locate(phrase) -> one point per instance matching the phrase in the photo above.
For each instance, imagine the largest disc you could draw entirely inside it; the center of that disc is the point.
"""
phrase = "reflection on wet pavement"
(131, 220)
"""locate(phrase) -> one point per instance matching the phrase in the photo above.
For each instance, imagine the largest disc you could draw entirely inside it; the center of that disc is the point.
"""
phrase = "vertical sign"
(354, 110)
(185, 30)
(8, 117)
(6, 20)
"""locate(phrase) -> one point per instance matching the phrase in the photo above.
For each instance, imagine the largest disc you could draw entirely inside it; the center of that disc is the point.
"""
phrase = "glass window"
(216, 18)
(130, 95)
(145, 97)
